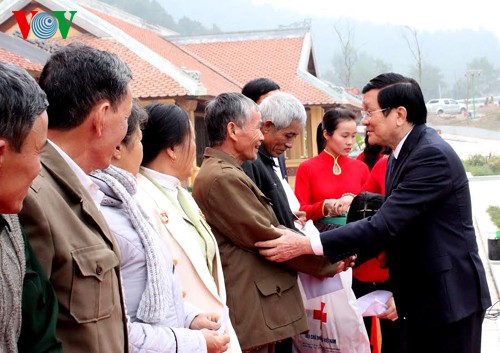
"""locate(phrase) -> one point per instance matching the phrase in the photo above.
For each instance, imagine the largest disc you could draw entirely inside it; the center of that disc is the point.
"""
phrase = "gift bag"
(335, 323)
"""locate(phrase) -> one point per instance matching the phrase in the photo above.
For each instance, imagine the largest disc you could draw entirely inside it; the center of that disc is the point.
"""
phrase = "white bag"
(335, 323)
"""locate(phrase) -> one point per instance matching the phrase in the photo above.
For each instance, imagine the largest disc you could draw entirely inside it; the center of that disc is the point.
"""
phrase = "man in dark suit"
(425, 225)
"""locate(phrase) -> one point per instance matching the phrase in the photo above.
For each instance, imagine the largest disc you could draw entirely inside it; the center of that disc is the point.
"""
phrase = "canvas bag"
(335, 323)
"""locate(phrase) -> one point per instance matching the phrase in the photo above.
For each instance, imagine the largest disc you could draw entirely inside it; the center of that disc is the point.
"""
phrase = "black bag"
(364, 205)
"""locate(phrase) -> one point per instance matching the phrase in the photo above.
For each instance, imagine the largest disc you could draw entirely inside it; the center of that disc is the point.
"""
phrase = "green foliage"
(494, 213)
(482, 165)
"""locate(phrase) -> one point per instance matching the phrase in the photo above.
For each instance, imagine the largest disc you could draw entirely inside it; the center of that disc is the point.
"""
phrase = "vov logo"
(44, 25)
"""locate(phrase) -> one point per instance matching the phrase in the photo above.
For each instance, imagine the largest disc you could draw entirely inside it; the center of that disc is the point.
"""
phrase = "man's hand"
(345, 264)
(391, 313)
(286, 247)
(205, 320)
(215, 343)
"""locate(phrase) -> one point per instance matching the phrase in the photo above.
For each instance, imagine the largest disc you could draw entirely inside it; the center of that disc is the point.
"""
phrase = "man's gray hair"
(282, 109)
(225, 108)
(21, 102)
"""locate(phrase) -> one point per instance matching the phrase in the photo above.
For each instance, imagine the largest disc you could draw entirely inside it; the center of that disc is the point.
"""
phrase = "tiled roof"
(17, 60)
(227, 66)
(212, 80)
(275, 58)
(148, 82)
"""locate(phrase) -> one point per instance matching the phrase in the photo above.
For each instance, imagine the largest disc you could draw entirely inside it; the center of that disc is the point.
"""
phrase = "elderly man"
(24, 324)
(90, 100)
(283, 118)
(263, 297)
(425, 226)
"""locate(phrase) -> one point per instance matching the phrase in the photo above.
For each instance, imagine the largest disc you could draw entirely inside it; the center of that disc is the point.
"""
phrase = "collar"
(211, 152)
(4, 224)
(84, 179)
(169, 182)
(267, 158)
(400, 145)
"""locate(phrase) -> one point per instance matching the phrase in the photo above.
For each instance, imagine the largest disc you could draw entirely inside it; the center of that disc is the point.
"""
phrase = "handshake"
(337, 207)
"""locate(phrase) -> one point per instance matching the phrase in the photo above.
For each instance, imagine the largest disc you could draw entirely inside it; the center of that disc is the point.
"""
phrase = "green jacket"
(39, 309)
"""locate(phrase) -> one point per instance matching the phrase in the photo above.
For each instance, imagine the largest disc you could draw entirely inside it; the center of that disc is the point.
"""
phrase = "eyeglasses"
(365, 114)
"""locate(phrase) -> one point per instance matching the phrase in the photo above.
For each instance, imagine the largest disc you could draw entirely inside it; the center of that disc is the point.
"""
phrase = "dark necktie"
(391, 163)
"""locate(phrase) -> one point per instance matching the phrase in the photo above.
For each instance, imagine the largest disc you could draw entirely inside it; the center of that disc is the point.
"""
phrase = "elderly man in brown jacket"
(263, 297)
(89, 102)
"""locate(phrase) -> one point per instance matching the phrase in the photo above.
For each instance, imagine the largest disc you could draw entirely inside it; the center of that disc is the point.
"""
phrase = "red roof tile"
(148, 82)
(17, 60)
(210, 79)
(227, 66)
(276, 59)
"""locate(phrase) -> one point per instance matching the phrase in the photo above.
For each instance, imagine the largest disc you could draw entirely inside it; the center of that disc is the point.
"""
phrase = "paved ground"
(482, 197)
(484, 193)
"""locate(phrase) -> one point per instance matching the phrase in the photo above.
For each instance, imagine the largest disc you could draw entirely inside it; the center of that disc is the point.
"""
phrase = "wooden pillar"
(190, 105)
(316, 115)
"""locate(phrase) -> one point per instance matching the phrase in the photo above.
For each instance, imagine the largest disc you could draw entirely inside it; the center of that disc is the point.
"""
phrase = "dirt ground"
(487, 118)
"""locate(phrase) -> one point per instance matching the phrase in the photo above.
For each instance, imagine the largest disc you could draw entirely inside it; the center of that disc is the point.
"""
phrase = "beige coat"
(80, 256)
(198, 285)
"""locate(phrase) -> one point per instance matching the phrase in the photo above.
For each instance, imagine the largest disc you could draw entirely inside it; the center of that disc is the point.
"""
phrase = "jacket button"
(98, 270)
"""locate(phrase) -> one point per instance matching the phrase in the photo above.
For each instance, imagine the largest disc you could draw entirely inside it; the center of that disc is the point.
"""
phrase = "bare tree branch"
(349, 51)
(415, 49)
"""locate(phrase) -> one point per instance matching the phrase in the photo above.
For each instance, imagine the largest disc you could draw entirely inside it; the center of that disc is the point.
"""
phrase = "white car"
(445, 105)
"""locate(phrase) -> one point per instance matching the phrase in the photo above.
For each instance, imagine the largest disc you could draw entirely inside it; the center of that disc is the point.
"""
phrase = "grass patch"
(479, 165)
(494, 213)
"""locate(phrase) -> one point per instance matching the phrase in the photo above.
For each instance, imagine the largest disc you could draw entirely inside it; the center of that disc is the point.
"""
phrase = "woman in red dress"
(326, 184)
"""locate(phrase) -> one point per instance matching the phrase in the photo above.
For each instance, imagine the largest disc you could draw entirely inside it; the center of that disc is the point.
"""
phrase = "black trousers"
(284, 346)
(462, 336)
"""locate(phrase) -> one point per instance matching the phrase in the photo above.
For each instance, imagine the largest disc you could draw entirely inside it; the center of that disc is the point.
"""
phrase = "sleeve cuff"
(316, 244)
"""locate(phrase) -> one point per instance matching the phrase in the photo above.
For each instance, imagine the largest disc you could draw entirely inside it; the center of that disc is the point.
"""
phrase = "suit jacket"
(79, 255)
(263, 297)
(198, 285)
(426, 226)
(263, 175)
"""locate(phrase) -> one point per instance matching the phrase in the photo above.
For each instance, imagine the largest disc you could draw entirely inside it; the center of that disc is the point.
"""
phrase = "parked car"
(445, 105)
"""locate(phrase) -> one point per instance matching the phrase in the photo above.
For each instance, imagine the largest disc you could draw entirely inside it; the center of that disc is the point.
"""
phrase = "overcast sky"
(428, 15)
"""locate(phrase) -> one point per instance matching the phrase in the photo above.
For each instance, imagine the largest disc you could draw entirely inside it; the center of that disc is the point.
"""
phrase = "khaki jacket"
(263, 297)
(80, 256)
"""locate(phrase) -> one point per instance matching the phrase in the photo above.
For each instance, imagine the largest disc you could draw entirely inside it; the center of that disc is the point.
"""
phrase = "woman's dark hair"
(167, 126)
(257, 88)
(371, 153)
(331, 120)
(137, 119)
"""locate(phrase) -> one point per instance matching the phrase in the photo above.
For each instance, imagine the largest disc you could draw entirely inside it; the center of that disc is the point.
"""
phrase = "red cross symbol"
(320, 315)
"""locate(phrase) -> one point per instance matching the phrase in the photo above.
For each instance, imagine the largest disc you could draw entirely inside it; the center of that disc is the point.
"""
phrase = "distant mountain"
(450, 51)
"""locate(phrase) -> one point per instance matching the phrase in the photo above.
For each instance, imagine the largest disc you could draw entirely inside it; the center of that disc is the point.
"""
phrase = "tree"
(365, 68)
(432, 81)
(411, 37)
(486, 83)
(348, 52)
